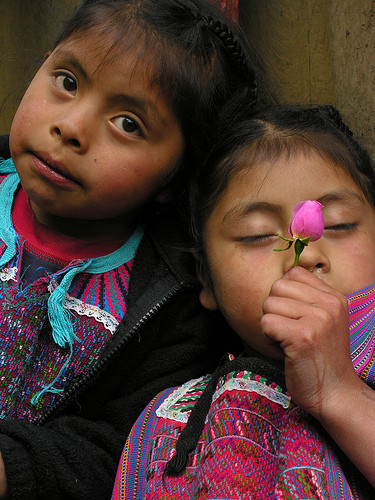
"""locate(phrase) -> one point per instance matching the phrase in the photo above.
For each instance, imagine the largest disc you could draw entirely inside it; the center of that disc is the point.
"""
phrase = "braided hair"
(200, 60)
(231, 45)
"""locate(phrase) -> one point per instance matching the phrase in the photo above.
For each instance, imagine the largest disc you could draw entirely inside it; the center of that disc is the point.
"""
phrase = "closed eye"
(257, 238)
(341, 227)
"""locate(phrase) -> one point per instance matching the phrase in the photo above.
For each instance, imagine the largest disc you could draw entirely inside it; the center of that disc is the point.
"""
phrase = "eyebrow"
(144, 105)
(343, 195)
(246, 208)
(69, 59)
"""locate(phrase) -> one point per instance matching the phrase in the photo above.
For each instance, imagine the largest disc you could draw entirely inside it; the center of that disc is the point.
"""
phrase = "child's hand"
(309, 320)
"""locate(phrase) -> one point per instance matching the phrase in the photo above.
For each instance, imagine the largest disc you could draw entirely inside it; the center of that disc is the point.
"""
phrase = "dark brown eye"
(67, 83)
(127, 124)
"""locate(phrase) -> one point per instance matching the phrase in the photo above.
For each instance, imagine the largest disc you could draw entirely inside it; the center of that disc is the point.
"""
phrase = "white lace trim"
(166, 409)
(108, 321)
(8, 273)
(245, 384)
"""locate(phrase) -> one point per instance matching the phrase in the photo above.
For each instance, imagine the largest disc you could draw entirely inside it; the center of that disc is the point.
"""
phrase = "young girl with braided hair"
(99, 304)
(293, 416)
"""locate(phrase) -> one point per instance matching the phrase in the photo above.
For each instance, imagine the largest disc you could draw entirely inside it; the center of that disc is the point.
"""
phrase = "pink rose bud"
(307, 220)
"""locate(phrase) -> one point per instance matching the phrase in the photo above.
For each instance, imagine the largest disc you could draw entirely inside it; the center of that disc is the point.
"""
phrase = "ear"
(207, 298)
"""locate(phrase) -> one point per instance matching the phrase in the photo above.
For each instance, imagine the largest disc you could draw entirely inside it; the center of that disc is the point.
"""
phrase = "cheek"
(25, 120)
(241, 298)
(17, 131)
(363, 267)
(244, 279)
(356, 268)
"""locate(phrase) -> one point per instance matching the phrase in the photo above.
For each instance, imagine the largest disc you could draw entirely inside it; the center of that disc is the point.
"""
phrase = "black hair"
(264, 137)
(198, 58)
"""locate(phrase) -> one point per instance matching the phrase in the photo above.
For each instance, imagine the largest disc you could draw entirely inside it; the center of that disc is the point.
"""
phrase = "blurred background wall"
(314, 51)
(27, 31)
(320, 52)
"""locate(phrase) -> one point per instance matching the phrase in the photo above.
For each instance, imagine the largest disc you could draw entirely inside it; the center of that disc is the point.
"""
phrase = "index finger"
(314, 279)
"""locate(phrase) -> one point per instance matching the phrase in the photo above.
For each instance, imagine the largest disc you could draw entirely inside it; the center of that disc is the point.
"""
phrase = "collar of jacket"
(162, 267)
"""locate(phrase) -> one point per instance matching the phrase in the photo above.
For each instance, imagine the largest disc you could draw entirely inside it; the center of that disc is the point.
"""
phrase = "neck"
(114, 229)
(278, 363)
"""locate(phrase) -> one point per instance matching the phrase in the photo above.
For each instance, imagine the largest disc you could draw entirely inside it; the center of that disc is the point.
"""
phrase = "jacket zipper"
(94, 373)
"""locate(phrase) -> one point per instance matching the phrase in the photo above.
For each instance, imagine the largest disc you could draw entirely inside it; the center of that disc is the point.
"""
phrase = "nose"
(71, 129)
(314, 258)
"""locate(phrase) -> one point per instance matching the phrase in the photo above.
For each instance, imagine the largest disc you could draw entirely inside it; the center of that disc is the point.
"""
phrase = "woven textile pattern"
(256, 444)
(30, 359)
(362, 338)
(238, 455)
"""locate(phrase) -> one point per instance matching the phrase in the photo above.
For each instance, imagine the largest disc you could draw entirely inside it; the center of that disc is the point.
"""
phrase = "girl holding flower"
(293, 416)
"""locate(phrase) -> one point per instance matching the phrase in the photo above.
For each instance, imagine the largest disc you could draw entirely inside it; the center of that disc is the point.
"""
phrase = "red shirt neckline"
(45, 241)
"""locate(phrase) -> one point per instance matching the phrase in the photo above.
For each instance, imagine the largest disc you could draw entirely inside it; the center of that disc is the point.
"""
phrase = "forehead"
(105, 53)
(290, 177)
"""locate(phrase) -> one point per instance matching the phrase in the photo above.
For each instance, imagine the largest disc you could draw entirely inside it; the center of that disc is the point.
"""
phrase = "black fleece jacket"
(165, 339)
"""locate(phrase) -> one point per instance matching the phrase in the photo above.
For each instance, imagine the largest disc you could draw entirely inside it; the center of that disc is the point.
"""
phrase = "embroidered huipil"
(39, 361)
(254, 442)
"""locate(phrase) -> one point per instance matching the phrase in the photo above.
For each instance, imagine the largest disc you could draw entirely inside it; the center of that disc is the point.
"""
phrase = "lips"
(55, 171)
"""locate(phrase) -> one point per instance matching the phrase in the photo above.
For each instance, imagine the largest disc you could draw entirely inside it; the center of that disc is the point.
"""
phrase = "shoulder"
(177, 404)
(237, 388)
(251, 428)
